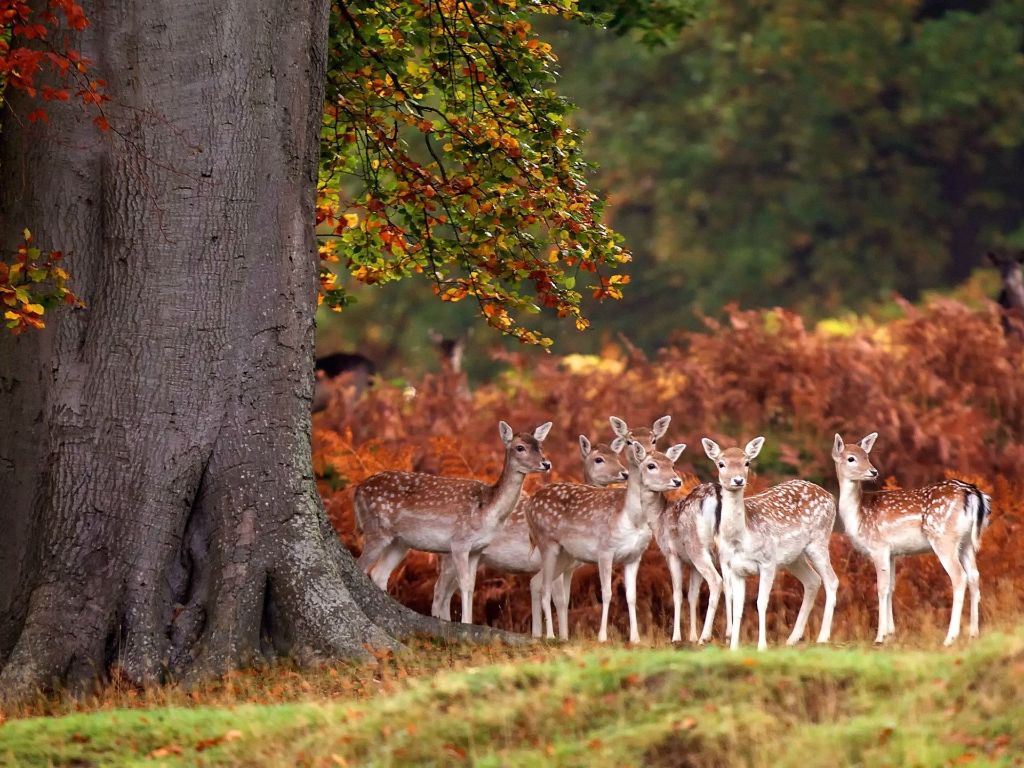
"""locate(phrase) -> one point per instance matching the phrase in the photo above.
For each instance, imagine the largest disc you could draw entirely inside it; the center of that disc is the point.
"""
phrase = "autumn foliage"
(942, 386)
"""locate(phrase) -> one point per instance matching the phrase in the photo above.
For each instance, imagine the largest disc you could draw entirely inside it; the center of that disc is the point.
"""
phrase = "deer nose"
(676, 482)
(624, 475)
(873, 472)
(738, 482)
(545, 465)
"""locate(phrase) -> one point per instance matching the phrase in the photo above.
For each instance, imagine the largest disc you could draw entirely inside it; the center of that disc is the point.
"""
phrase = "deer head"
(852, 461)
(601, 465)
(655, 468)
(646, 437)
(523, 450)
(733, 463)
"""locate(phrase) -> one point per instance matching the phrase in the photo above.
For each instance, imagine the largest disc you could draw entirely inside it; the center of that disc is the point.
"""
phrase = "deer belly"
(510, 551)
(426, 532)
(905, 536)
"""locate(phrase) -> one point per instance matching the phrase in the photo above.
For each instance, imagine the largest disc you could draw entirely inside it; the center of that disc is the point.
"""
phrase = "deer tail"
(978, 509)
(981, 516)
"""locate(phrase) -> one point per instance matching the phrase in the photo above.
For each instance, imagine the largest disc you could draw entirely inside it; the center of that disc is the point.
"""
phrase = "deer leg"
(604, 567)
(764, 592)
(882, 560)
(958, 578)
(675, 569)
(810, 580)
(738, 590)
(629, 576)
(890, 628)
(549, 561)
(705, 568)
(393, 555)
(727, 592)
(536, 599)
(821, 561)
(373, 548)
(444, 588)
(968, 560)
(563, 606)
(465, 569)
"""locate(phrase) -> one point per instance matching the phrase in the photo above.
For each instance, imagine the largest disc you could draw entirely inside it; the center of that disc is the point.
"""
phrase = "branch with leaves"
(447, 154)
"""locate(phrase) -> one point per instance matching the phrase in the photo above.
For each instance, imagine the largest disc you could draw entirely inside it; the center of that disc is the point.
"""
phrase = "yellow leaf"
(11, 316)
(35, 309)
(351, 219)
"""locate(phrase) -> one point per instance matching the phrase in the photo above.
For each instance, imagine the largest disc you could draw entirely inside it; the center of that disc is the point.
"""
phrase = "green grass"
(594, 706)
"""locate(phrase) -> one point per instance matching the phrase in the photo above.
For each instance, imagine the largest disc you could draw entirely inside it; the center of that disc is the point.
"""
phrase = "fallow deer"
(399, 511)
(787, 526)
(570, 523)
(510, 550)
(685, 533)
(946, 518)
(646, 437)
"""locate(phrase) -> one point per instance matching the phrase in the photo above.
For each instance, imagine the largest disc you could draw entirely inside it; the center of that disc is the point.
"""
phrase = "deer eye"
(652, 466)
(746, 463)
(721, 465)
(520, 448)
(599, 460)
(852, 459)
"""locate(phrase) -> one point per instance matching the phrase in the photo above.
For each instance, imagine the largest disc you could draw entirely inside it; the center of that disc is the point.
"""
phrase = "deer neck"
(734, 515)
(653, 504)
(633, 505)
(505, 492)
(849, 505)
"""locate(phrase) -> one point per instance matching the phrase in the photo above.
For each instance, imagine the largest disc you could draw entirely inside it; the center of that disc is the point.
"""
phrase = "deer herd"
(723, 535)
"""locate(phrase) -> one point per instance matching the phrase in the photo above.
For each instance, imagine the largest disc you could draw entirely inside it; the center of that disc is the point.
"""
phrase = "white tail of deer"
(946, 518)
(685, 533)
(399, 511)
(570, 523)
(787, 526)
(510, 549)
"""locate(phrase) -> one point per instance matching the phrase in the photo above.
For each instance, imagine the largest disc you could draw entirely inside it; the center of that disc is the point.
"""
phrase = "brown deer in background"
(399, 511)
(1011, 297)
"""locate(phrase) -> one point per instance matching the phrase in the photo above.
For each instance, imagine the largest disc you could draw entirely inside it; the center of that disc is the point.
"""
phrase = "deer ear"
(754, 447)
(618, 426)
(584, 446)
(869, 442)
(506, 432)
(660, 427)
(618, 444)
(639, 452)
(675, 452)
(542, 431)
(838, 446)
(711, 448)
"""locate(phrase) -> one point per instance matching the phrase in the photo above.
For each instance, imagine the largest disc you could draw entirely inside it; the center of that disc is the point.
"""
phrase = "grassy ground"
(574, 705)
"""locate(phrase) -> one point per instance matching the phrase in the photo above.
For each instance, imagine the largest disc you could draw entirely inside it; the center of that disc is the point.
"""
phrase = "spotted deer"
(510, 549)
(787, 526)
(685, 534)
(577, 523)
(646, 437)
(946, 518)
(399, 511)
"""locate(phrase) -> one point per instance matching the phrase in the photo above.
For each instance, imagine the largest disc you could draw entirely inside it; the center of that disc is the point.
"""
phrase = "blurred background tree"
(814, 155)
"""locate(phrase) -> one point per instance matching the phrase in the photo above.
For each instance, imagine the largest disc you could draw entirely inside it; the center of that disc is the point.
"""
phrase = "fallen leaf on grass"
(167, 751)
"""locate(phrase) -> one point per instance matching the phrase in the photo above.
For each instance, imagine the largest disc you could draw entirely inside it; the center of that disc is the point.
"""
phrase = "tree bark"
(157, 493)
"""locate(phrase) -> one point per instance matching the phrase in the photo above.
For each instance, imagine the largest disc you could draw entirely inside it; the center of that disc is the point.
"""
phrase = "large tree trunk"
(156, 493)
